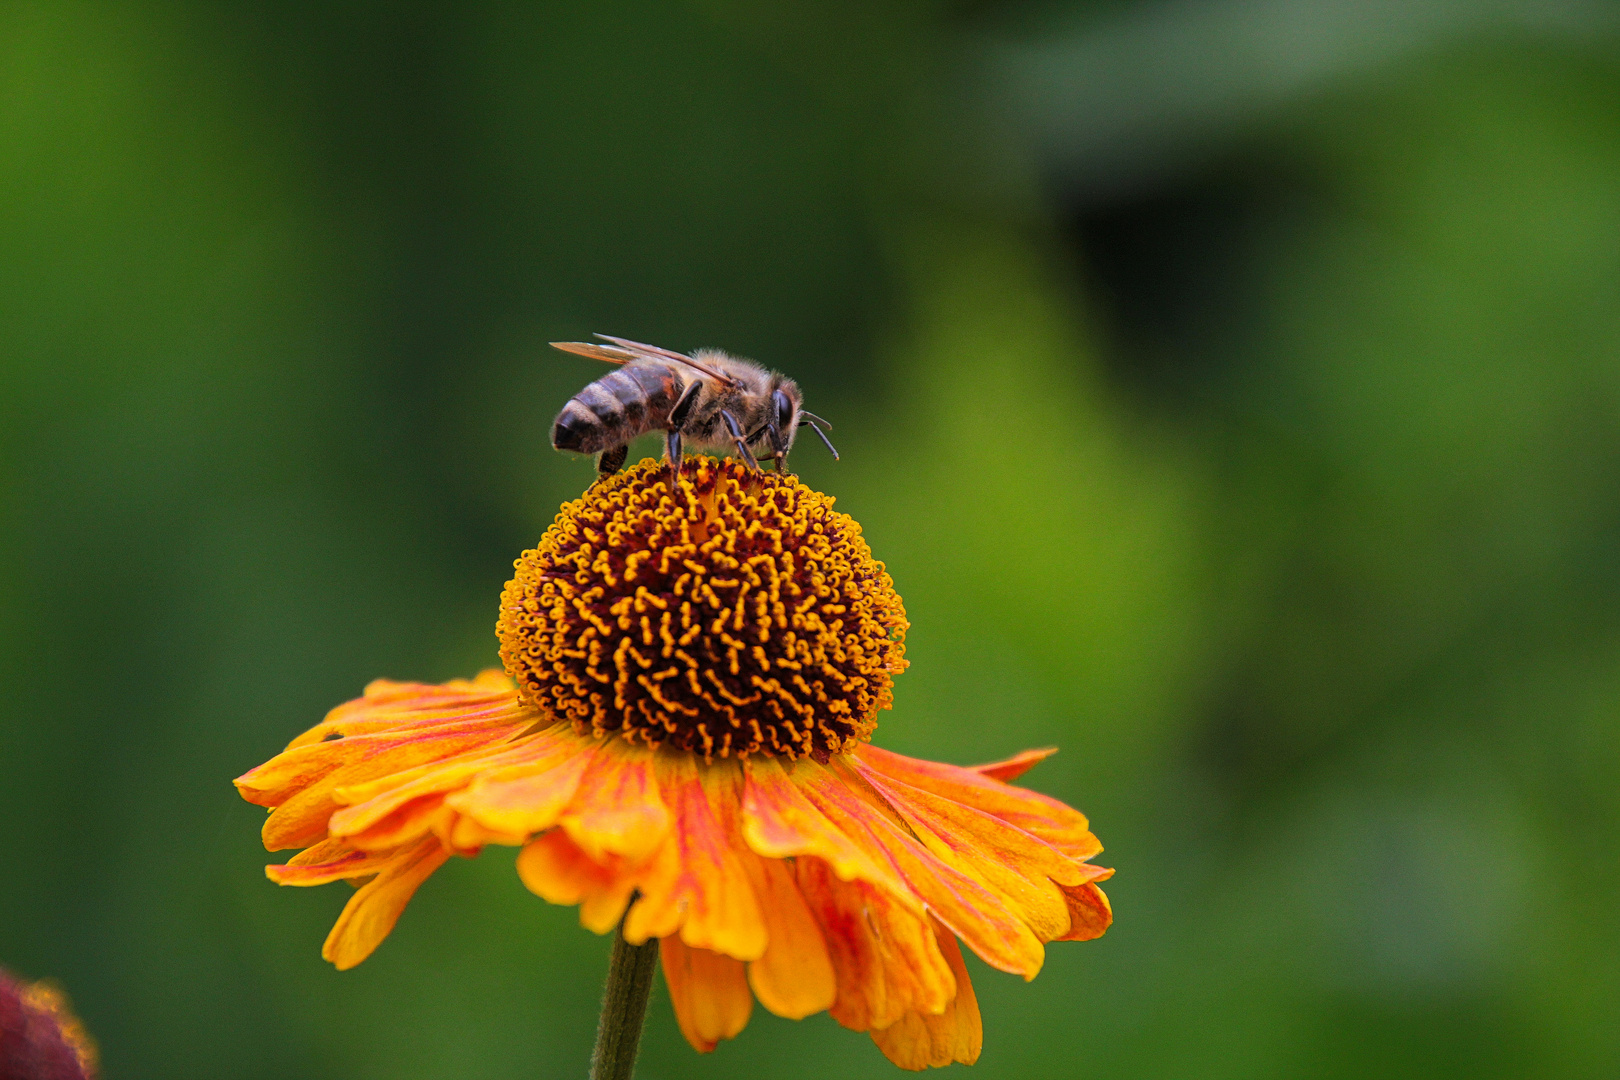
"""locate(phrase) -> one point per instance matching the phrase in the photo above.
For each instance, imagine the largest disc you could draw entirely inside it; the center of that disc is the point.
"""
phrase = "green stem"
(624, 1007)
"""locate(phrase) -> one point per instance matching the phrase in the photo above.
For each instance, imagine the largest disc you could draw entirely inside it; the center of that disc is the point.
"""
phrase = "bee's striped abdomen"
(616, 408)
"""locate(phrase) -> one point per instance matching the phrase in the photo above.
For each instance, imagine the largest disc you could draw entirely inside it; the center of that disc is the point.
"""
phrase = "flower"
(679, 741)
(40, 1038)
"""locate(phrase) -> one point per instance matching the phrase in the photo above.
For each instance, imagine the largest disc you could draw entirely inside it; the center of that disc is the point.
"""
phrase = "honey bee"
(709, 399)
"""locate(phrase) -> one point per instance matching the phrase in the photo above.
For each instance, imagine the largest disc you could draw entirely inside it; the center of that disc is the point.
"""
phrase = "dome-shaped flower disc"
(679, 743)
(741, 614)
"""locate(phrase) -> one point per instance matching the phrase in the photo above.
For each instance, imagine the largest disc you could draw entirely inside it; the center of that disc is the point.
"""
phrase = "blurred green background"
(1232, 387)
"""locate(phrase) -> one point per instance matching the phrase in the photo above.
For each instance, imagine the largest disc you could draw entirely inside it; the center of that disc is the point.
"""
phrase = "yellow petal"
(709, 992)
(373, 910)
(332, 860)
(1012, 768)
(527, 789)
(303, 784)
(1023, 871)
(694, 884)
(553, 868)
(884, 957)
(617, 809)
(1062, 826)
(920, 1040)
(795, 976)
(959, 900)
(1089, 913)
(779, 822)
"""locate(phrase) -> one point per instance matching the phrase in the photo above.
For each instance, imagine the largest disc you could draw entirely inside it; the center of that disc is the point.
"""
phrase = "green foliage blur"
(1232, 388)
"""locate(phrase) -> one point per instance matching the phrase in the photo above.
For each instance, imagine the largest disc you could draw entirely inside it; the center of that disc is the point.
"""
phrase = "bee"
(709, 399)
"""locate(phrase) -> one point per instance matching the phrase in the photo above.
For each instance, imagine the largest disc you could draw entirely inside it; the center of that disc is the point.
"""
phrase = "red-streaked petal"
(920, 1040)
(709, 992)
(373, 910)
(483, 772)
(308, 760)
(528, 788)
(1061, 826)
(779, 822)
(1013, 864)
(957, 899)
(1014, 767)
(330, 860)
(1089, 912)
(885, 958)
(694, 883)
(795, 976)
(304, 801)
(617, 809)
(410, 822)
(386, 705)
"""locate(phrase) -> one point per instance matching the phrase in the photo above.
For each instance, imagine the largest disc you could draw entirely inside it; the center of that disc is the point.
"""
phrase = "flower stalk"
(624, 1008)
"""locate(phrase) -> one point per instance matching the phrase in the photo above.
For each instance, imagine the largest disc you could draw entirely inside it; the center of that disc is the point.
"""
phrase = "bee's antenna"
(812, 416)
(833, 450)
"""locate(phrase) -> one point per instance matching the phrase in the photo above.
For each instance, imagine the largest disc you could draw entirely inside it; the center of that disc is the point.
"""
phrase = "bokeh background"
(1231, 386)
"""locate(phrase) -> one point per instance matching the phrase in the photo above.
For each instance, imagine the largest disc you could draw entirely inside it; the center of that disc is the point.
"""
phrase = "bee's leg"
(672, 436)
(778, 451)
(612, 460)
(683, 407)
(672, 454)
(737, 438)
(779, 448)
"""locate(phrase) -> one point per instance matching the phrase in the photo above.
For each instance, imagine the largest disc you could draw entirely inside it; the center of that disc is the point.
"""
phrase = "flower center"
(739, 615)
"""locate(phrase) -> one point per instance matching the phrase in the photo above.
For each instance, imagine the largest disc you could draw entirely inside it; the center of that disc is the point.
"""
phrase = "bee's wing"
(596, 352)
(636, 348)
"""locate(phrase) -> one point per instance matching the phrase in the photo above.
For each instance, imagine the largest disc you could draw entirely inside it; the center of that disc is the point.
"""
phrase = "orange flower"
(680, 742)
(40, 1038)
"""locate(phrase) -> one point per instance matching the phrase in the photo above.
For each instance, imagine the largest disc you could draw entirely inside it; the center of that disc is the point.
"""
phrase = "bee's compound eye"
(784, 411)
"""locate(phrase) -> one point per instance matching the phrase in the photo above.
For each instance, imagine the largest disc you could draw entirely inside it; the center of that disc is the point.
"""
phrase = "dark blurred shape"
(40, 1038)
(1170, 272)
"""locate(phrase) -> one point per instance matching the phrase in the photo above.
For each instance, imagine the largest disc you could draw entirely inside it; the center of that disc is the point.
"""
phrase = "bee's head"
(786, 402)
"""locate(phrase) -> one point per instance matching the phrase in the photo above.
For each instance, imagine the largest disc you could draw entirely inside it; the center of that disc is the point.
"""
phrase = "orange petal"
(390, 705)
(553, 868)
(302, 783)
(960, 901)
(466, 837)
(617, 809)
(779, 822)
(920, 1041)
(409, 823)
(795, 976)
(1089, 913)
(306, 760)
(373, 910)
(884, 957)
(709, 992)
(331, 860)
(524, 792)
(1060, 825)
(1014, 767)
(1013, 864)
(371, 801)
(694, 883)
